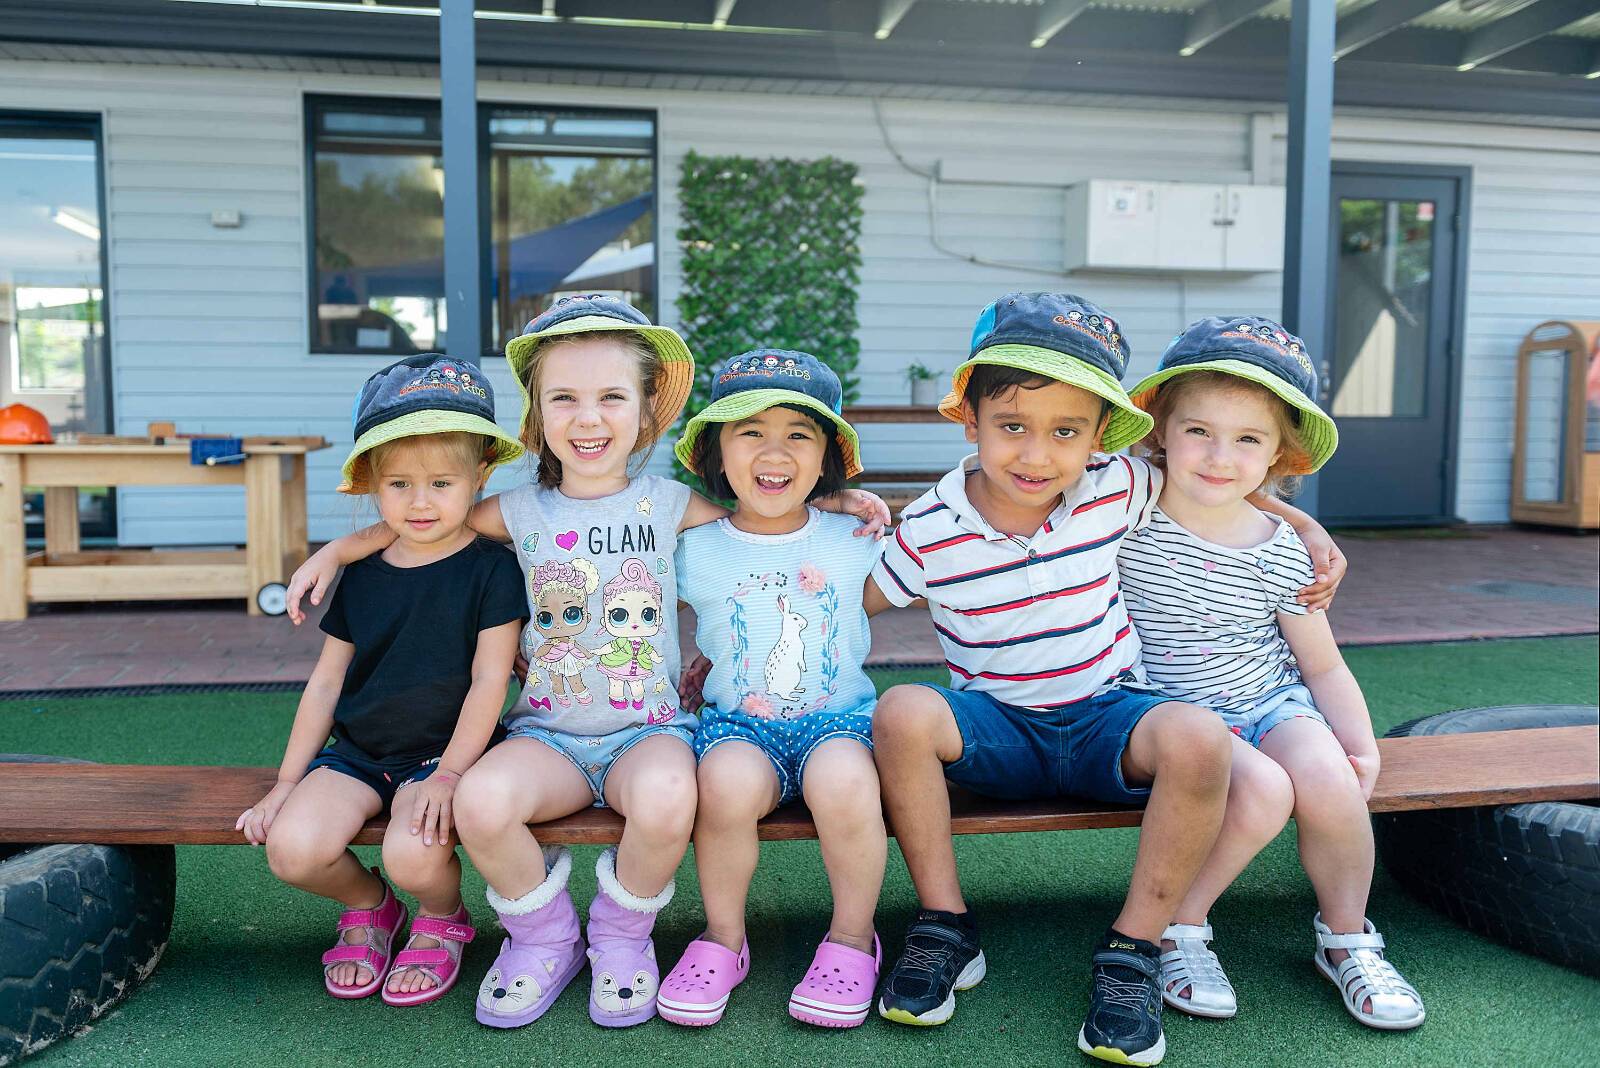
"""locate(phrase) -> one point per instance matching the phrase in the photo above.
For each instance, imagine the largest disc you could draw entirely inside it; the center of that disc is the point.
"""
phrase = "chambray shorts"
(593, 754)
(787, 743)
(1278, 706)
(1018, 753)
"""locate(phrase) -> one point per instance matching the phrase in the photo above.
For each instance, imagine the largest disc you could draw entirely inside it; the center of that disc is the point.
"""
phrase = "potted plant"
(926, 390)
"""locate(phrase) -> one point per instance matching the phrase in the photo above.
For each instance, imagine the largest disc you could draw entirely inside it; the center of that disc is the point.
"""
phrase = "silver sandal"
(1193, 965)
(1366, 975)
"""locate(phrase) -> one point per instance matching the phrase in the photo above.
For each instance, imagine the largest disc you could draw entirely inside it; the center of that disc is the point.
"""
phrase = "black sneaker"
(1124, 1021)
(942, 956)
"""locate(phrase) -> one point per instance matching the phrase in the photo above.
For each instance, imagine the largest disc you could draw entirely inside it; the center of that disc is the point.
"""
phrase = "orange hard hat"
(22, 425)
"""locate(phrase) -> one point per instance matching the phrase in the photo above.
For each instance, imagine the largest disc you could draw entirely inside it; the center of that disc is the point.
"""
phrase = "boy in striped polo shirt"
(1015, 553)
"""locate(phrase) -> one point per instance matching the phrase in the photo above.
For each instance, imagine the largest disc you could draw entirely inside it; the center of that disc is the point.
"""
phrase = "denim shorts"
(1019, 753)
(593, 754)
(1278, 706)
(385, 777)
(788, 743)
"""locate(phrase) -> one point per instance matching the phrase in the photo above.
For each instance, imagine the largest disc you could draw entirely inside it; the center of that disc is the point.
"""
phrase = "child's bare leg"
(1330, 815)
(519, 781)
(841, 789)
(738, 786)
(1183, 751)
(1260, 798)
(430, 873)
(308, 847)
(914, 735)
(653, 786)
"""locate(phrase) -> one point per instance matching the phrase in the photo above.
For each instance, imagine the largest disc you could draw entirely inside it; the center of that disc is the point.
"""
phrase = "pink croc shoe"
(382, 924)
(695, 993)
(838, 988)
(442, 964)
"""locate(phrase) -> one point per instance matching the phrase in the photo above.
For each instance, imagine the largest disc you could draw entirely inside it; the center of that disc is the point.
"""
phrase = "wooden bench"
(127, 804)
(898, 488)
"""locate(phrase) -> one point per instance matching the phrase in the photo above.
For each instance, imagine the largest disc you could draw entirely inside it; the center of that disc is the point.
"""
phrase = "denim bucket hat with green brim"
(597, 313)
(425, 394)
(1059, 336)
(1260, 351)
(760, 379)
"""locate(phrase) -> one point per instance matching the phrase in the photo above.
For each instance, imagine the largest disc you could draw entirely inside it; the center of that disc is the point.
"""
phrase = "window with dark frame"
(570, 206)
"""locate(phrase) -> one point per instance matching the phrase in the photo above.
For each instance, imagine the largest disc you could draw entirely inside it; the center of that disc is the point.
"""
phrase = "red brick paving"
(1480, 583)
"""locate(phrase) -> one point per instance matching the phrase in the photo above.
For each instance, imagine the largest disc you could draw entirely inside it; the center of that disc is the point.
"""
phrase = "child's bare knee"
(297, 857)
(484, 806)
(907, 716)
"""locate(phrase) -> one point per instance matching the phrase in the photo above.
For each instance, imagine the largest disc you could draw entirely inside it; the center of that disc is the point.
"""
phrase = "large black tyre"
(80, 927)
(1527, 875)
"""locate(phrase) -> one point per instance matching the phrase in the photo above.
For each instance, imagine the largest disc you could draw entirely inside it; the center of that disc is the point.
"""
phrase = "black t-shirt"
(415, 630)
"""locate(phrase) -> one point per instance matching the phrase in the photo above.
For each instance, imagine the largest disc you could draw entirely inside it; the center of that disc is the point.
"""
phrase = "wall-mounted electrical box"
(1173, 226)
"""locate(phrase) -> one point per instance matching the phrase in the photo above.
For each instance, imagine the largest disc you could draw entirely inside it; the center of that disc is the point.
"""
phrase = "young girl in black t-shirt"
(410, 686)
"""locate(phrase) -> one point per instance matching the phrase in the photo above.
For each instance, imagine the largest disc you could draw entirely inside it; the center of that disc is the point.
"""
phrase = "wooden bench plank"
(135, 804)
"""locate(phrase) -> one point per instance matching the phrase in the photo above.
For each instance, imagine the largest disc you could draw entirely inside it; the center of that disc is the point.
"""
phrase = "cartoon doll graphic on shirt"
(631, 614)
(560, 593)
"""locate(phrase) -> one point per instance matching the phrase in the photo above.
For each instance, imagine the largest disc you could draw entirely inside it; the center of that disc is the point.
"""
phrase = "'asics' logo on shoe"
(1114, 944)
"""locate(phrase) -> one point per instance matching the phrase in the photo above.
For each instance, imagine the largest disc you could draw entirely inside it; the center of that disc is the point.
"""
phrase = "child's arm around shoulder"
(1327, 561)
(1337, 693)
(313, 721)
(318, 572)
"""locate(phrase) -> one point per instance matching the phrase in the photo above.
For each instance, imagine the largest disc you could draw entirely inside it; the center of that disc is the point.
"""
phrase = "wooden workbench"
(273, 475)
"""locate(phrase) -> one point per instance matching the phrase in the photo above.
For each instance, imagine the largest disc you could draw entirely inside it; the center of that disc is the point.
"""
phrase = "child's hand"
(256, 820)
(316, 574)
(430, 810)
(869, 508)
(1328, 563)
(692, 682)
(1366, 768)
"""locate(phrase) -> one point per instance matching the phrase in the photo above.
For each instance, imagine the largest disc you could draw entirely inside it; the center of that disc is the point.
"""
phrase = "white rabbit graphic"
(786, 664)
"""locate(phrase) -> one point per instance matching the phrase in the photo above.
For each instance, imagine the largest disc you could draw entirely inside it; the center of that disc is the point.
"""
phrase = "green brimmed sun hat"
(765, 378)
(1257, 350)
(1059, 336)
(426, 394)
(599, 313)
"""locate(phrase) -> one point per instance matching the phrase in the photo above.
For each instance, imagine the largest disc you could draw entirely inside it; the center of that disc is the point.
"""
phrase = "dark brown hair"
(707, 457)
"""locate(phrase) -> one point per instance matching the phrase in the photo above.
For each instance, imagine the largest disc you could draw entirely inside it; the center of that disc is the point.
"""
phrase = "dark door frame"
(1456, 325)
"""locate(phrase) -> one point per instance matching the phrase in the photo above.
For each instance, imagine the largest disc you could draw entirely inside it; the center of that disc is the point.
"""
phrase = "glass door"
(52, 288)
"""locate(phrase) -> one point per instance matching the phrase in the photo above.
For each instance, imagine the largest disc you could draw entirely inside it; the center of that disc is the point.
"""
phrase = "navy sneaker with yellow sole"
(941, 956)
(1124, 1021)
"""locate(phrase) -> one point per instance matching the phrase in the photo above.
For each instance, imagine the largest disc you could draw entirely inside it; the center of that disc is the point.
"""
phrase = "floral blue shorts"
(788, 743)
(593, 754)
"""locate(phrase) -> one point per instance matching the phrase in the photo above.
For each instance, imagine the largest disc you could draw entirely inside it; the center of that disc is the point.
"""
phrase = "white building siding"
(209, 326)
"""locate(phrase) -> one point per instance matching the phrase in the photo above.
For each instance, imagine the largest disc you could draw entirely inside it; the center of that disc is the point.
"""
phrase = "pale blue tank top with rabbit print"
(780, 616)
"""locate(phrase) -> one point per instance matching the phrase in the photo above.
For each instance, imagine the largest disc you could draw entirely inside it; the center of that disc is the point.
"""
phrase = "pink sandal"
(695, 993)
(441, 964)
(382, 924)
(838, 988)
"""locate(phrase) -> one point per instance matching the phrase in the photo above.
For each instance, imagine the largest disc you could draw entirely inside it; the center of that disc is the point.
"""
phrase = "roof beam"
(1216, 18)
(720, 13)
(1529, 24)
(1054, 17)
(1371, 23)
(890, 12)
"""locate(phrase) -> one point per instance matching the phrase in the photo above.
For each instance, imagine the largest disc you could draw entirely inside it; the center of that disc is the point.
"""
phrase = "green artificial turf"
(240, 983)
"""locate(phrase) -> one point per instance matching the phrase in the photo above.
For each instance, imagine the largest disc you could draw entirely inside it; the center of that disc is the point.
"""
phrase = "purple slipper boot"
(542, 954)
(622, 956)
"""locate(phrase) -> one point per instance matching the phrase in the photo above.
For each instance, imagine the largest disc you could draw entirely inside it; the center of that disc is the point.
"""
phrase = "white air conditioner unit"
(1173, 226)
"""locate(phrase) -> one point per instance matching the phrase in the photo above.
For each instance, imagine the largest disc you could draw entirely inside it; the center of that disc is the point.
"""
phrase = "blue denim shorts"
(593, 754)
(788, 743)
(1278, 706)
(385, 777)
(1018, 753)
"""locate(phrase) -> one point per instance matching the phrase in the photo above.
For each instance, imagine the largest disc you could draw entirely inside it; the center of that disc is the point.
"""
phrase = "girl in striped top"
(1210, 584)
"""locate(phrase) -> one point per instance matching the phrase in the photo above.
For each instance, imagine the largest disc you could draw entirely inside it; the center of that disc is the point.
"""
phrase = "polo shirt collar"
(952, 491)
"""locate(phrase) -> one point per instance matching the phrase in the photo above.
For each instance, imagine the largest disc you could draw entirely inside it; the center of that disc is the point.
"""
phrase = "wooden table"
(273, 474)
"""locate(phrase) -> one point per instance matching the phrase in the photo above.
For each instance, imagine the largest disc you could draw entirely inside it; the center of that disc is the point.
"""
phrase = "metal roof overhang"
(946, 43)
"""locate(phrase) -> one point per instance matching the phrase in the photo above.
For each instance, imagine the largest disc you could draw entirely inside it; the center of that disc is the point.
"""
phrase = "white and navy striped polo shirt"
(1039, 621)
(1208, 614)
